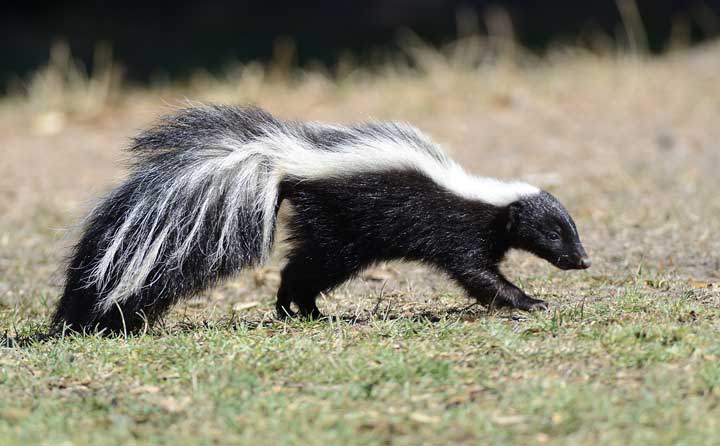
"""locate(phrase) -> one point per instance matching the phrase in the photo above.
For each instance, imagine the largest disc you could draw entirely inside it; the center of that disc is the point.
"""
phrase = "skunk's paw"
(312, 314)
(531, 304)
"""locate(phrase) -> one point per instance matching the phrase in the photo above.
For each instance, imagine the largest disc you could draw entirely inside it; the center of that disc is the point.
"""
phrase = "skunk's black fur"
(201, 204)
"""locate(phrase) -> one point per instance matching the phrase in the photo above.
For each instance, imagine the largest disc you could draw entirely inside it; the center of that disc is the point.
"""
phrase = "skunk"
(201, 203)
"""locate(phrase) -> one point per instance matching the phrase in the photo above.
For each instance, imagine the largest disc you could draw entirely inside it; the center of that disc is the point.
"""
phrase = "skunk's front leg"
(493, 290)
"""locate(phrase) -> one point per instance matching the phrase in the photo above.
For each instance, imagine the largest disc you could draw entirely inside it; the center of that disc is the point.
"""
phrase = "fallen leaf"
(240, 306)
(506, 420)
(698, 284)
(149, 389)
(14, 414)
(174, 405)
(423, 418)
(457, 400)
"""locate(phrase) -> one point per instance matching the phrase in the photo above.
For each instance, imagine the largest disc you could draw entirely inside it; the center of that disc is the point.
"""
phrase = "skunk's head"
(541, 225)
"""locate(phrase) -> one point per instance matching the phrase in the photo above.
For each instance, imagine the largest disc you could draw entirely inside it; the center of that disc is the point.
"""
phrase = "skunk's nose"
(585, 262)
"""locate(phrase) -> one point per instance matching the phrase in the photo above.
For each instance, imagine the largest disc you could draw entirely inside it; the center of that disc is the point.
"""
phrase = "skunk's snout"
(583, 262)
(573, 262)
(582, 259)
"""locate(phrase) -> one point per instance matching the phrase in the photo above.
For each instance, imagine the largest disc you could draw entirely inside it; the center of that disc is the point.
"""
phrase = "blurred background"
(611, 105)
(154, 41)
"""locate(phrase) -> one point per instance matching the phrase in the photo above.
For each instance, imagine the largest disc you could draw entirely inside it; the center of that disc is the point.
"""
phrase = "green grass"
(636, 369)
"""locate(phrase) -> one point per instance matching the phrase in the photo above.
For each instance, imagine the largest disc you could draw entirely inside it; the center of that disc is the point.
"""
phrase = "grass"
(637, 369)
(628, 352)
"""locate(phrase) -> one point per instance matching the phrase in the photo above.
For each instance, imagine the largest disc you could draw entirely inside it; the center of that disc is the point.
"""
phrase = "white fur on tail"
(238, 175)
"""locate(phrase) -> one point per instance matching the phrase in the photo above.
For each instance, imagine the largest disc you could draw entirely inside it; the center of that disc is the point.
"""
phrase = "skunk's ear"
(513, 215)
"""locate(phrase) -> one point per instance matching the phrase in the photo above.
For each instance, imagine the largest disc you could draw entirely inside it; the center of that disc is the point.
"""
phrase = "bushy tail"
(200, 204)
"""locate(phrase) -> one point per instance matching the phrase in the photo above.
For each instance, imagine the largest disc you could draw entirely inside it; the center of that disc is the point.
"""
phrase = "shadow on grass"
(25, 341)
(162, 328)
(467, 313)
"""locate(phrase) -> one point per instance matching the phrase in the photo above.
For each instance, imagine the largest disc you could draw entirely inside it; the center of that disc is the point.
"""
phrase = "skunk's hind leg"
(76, 312)
(304, 277)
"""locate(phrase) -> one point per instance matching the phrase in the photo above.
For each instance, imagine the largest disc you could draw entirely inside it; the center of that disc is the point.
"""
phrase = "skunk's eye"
(554, 236)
